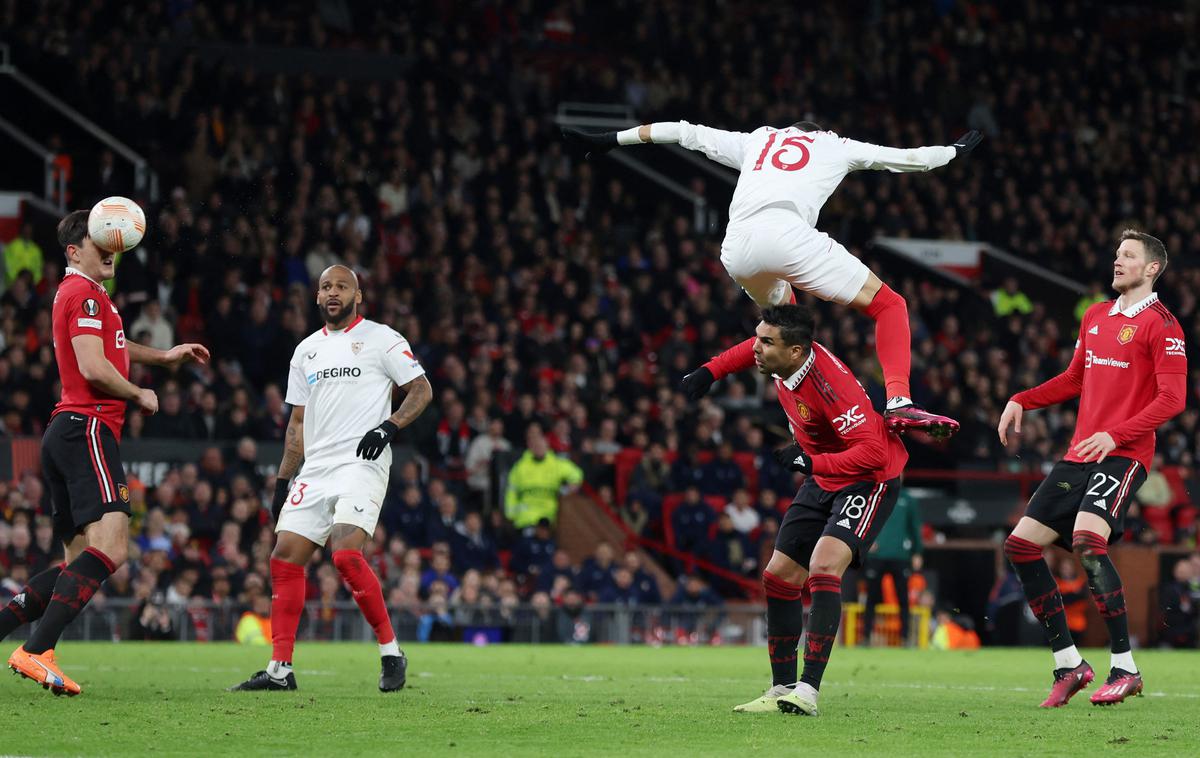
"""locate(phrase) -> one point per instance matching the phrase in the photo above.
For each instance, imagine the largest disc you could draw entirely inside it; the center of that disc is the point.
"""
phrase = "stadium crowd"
(561, 300)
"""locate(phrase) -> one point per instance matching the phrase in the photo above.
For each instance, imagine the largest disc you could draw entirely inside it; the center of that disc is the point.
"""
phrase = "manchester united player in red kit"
(81, 461)
(1130, 375)
(853, 464)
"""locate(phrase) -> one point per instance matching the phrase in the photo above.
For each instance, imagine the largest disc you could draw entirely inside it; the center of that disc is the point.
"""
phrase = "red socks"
(287, 603)
(893, 340)
(364, 585)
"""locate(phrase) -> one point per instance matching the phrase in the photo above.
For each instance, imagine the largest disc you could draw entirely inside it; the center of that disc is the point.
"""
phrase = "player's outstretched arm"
(717, 144)
(865, 156)
(417, 395)
(101, 374)
(189, 352)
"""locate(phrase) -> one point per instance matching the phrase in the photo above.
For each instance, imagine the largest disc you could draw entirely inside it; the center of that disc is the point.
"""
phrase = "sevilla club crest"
(1125, 336)
(355, 347)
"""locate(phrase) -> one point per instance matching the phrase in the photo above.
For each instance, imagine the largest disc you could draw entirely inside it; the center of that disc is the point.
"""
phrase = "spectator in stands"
(1009, 299)
(152, 329)
(560, 566)
(722, 475)
(574, 620)
(596, 574)
(741, 513)
(651, 478)
(732, 551)
(691, 521)
(1179, 601)
(24, 254)
(535, 482)
(534, 551)
(443, 526)
(471, 547)
(646, 585)
(700, 620)
(480, 454)
(409, 517)
(439, 570)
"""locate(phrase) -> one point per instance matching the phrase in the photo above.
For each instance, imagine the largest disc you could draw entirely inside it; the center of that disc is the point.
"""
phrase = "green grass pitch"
(516, 701)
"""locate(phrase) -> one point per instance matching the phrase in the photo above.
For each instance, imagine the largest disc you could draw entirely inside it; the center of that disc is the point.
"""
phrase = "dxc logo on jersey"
(849, 420)
(1175, 347)
(337, 372)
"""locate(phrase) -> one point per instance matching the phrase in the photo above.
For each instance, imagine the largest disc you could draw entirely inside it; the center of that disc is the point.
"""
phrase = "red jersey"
(81, 306)
(831, 417)
(1129, 372)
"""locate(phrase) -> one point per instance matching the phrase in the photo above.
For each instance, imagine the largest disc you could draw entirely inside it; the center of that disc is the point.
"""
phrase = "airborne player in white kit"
(340, 387)
(772, 244)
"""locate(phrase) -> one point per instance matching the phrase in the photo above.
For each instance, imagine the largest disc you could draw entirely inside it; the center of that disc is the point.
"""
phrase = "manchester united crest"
(355, 347)
(803, 410)
(123, 491)
(1125, 335)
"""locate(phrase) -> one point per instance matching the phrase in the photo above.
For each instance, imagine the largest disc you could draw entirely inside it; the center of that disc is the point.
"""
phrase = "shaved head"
(338, 296)
(339, 267)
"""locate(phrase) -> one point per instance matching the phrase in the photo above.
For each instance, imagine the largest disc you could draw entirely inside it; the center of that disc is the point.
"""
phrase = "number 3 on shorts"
(298, 493)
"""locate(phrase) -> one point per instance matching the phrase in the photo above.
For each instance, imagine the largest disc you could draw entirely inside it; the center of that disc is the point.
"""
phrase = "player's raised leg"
(1024, 550)
(347, 543)
(893, 344)
(1090, 543)
(288, 559)
(829, 561)
(783, 582)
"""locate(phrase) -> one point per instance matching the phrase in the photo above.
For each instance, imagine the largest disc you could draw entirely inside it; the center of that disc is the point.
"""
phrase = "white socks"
(278, 669)
(390, 648)
(1067, 658)
(898, 402)
(1124, 661)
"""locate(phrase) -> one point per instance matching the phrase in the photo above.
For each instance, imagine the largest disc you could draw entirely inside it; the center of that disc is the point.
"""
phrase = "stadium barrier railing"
(120, 619)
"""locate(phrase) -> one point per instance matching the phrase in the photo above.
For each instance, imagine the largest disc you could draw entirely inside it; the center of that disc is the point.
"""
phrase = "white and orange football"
(116, 224)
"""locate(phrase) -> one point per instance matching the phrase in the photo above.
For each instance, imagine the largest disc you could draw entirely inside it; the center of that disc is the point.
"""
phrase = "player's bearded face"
(337, 297)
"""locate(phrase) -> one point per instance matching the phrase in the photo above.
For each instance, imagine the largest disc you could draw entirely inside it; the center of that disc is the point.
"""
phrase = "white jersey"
(344, 381)
(797, 170)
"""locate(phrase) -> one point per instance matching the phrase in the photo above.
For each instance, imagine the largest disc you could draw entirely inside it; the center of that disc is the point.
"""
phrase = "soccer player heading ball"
(81, 454)
(340, 390)
(853, 464)
(1129, 372)
(772, 244)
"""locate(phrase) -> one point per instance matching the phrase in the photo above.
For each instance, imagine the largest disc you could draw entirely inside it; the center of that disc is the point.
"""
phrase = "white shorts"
(351, 494)
(774, 251)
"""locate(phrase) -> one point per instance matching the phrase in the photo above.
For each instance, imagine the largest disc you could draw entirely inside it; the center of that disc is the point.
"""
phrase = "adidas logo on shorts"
(844, 523)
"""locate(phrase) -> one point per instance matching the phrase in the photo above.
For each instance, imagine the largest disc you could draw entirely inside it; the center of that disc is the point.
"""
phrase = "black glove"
(374, 441)
(282, 486)
(793, 458)
(695, 385)
(593, 143)
(967, 143)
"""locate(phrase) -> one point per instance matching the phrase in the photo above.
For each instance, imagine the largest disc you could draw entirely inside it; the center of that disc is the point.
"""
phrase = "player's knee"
(1089, 546)
(117, 552)
(1020, 550)
(345, 560)
(822, 565)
